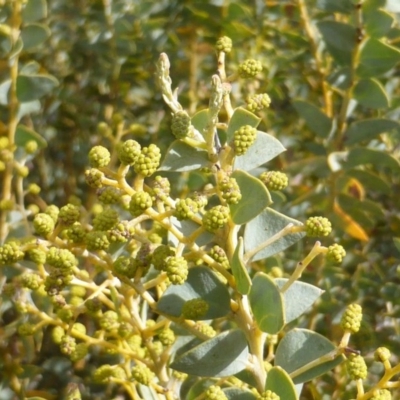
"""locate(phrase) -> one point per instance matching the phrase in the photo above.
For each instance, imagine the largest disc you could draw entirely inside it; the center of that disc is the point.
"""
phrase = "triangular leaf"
(266, 225)
(279, 382)
(315, 119)
(242, 278)
(378, 23)
(300, 347)
(235, 393)
(201, 283)
(266, 303)
(298, 298)
(33, 87)
(371, 93)
(376, 58)
(33, 35)
(34, 10)
(200, 120)
(368, 129)
(378, 158)
(339, 39)
(264, 149)
(255, 198)
(182, 157)
(223, 355)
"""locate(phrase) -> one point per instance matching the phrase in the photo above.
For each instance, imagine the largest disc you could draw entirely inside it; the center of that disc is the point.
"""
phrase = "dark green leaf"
(242, 278)
(201, 283)
(339, 39)
(33, 87)
(298, 298)
(241, 117)
(332, 6)
(264, 149)
(266, 303)
(24, 134)
(298, 348)
(378, 23)
(33, 35)
(379, 159)
(376, 58)
(223, 355)
(34, 11)
(255, 198)
(370, 180)
(368, 129)
(315, 119)
(279, 382)
(182, 157)
(371, 93)
(266, 225)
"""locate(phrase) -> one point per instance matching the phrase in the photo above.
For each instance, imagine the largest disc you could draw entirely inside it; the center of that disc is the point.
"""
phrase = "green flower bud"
(274, 180)
(257, 102)
(106, 372)
(216, 218)
(185, 209)
(76, 233)
(148, 161)
(109, 321)
(33, 188)
(142, 374)
(99, 157)
(336, 253)
(79, 328)
(67, 345)
(109, 195)
(243, 138)
(120, 233)
(249, 68)
(214, 393)
(53, 211)
(31, 280)
(97, 240)
(161, 188)
(62, 259)
(94, 178)
(195, 309)
(167, 337)
(128, 152)
(57, 334)
(125, 266)
(219, 255)
(351, 319)
(105, 220)
(230, 190)
(160, 255)
(69, 214)
(10, 253)
(356, 367)
(177, 270)
(80, 352)
(224, 44)
(382, 354)
(139, 203)
(43, 224)
(318, 226)
(180, 125)
(37, 256)
(31, 147)
(66, 314)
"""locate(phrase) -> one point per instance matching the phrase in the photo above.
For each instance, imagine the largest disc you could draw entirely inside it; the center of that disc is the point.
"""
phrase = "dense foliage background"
(332, 71)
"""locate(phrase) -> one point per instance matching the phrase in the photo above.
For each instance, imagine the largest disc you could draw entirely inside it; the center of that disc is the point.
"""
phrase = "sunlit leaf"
(371, 93)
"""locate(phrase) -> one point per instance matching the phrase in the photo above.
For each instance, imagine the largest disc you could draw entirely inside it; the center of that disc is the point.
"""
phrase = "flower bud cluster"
(243, 138)
(274, 180)
(351, 319)
(318, 226)
(356, 367)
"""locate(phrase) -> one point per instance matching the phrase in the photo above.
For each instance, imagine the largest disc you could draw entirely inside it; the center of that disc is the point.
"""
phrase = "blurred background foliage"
(332, 70)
